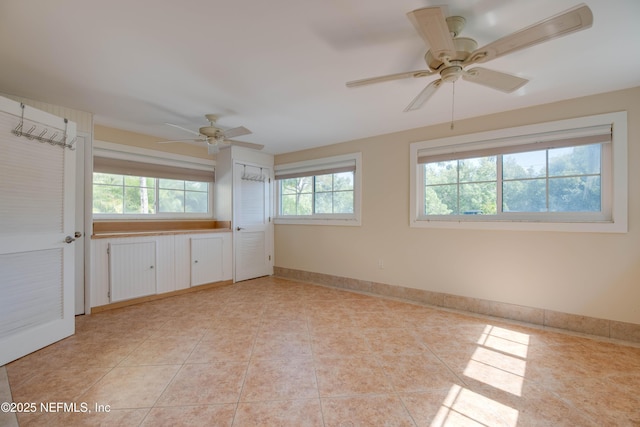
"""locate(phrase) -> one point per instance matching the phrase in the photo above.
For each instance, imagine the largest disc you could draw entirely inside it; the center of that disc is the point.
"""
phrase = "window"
(320, 191)
(561, 176)
(135, 183)
(124, 194)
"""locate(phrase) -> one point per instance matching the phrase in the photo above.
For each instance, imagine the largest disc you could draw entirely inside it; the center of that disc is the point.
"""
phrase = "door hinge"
(108, 250)
(108, 294)
(269, 219)
(269, 257)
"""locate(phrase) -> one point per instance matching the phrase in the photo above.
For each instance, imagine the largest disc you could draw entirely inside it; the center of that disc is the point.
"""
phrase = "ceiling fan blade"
(431, 24)
(397, 76)
(494, 79)
(239, 131)
(423, 96)
(184, 129)
(575, 19)
(245, 144)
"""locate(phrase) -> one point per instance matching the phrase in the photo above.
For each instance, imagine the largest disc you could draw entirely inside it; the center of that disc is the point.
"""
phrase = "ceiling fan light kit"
(448, 55)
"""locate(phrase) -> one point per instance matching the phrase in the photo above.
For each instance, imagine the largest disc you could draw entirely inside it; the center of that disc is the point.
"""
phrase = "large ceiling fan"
(215, 137)
(449, 55)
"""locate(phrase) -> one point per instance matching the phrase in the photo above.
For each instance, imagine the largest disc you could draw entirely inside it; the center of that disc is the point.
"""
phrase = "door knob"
(69, 239)
(239, 228)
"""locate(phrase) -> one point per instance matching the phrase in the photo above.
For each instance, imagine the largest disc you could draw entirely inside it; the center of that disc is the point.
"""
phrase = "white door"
(253, 229)
(37, 192)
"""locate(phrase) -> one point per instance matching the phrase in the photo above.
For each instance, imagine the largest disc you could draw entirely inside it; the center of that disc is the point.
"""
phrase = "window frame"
(114, 151)
(613, 215)
(318, 167)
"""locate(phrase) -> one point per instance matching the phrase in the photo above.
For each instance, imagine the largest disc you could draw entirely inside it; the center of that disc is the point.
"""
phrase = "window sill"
(579, 227)
(355, 222)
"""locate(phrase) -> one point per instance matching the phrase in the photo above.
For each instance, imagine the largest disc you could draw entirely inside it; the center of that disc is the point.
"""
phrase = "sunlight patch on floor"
(500, 359)
(465, 407)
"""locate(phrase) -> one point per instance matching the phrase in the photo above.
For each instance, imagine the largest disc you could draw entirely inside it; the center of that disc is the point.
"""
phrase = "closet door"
(253, 228)
(37, 192)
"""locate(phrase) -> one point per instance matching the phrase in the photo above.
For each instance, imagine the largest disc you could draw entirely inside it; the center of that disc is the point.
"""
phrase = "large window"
(558, 180)
(131, 182)
(319, 191)
(556, 176)
(124, 194)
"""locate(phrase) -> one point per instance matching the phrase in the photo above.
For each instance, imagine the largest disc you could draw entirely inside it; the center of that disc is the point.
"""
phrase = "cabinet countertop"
(111, 235)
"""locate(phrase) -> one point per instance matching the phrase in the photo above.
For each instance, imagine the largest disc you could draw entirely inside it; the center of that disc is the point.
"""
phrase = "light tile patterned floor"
(274, 352)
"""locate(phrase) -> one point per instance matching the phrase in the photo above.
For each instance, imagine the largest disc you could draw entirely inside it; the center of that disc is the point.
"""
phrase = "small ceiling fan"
(215, 137)
(449, 55)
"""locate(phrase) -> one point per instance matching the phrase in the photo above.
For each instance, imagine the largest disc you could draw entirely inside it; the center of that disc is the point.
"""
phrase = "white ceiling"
(279, 67)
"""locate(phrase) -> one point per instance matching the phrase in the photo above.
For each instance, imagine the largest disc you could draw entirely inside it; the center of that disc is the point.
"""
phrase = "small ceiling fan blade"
(239, 131)
(397, 76)
(245, 144)
(494, 79)
(431, 24)
(575, 19)
(423, 96)
(184, 129)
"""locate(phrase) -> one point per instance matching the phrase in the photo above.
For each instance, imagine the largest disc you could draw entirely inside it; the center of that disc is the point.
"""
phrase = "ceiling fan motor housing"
(210, 131)
(464, 47)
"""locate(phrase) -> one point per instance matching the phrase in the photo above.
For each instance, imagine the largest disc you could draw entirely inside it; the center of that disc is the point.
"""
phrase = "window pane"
(575, 194)
(139, 181)
(441, 172)
(289, 186)
(343, 181)
(343, 202)
(305, 204)
(478, 198)
(324, 203)
(441, 200)
(107, 178)
(196, 202)
(324, 182)
(171, 200)
(524, 165)
(479, 169)
(138, 200)
(524, 196)
(107, 199)
(583, 160)
(289, 205)
(196, 186)
(175, 184)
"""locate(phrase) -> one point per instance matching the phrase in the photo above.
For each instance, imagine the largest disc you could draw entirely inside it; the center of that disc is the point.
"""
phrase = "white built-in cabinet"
(132, 270)
(132, 267)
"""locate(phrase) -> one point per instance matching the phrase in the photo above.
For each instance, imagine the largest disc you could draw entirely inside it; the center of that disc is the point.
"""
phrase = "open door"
(37, 192)
(253, 229)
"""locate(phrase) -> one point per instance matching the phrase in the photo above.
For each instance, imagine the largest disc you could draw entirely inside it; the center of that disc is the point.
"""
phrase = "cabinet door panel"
(206, 260)
(132, 270)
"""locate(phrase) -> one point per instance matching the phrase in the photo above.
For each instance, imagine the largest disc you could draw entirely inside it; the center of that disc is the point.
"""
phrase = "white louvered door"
(253, 227)
(37, 192)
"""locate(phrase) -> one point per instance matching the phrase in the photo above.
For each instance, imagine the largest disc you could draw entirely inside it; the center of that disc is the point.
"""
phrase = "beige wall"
(590, 274)
(118, 136)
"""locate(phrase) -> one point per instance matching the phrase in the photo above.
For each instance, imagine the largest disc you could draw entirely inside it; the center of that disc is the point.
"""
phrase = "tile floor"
(275, 352)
